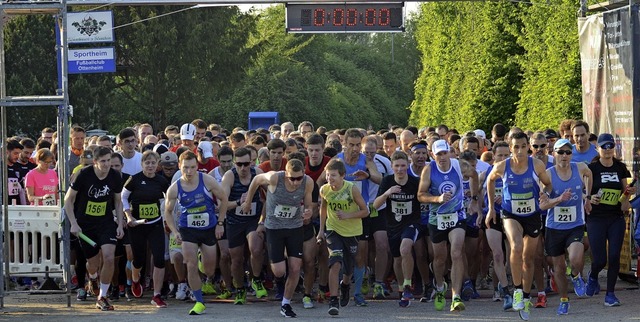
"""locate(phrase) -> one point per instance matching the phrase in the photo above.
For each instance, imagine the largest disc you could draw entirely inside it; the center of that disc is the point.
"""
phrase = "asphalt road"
(53, 308)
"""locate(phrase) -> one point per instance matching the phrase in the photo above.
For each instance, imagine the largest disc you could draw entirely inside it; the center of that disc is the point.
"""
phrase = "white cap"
(480, 134)
(187, 131)
(439, 146)
(206, 149)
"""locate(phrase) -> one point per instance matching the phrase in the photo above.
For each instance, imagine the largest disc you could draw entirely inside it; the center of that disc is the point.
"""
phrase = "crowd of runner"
(339, 216)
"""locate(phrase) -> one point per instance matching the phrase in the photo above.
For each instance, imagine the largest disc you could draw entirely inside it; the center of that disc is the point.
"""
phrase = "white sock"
(285, 301)
(104, 289)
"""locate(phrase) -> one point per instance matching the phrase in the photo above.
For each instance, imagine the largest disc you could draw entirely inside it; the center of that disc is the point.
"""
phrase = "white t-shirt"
(133, 165)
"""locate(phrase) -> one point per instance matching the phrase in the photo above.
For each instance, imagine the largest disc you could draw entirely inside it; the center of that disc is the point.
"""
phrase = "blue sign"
(94, 60)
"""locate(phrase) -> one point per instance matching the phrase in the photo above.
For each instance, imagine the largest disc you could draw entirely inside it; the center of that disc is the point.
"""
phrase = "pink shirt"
(43, 184)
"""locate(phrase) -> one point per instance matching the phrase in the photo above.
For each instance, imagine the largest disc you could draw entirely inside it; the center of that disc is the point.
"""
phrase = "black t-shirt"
(403, 209)
(145, 195)
(95, 199)
(15, 176)
(607, 181)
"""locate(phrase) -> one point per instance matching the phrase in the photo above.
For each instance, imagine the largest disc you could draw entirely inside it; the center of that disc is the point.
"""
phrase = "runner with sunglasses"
(244, 227)
(606, 223)
(287, 192)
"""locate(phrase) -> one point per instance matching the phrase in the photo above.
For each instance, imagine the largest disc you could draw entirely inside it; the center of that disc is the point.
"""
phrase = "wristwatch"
(238, 203)
(220, 223)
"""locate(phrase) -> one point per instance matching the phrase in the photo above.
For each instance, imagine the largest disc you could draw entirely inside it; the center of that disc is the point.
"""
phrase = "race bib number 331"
(285, 212)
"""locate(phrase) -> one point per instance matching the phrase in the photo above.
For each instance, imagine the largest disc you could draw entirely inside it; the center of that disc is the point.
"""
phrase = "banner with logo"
(89, 27)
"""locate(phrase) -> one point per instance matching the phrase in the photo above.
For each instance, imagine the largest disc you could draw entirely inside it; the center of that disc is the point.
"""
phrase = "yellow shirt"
(341, 200)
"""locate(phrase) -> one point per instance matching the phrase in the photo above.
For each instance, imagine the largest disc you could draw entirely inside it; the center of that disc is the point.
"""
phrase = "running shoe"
(114, 294)
(428, 294)
(173, 288)
(207, 288)
(378, 291)
(497, 296)
(82, 295)
(611, 300)
(103, 304)
(518, 300)
(136, 289)
(526, 311)
(241, 296)
(128, 294)
(307, 303)
(287, 311)
(440, 300)
(593, 286)
(93, 288)
(158, 302)
(457, 304)
(467, 290)
(541, 302)
(579, 286)
(257, 286)
(405, 299)
(475, 294)
(344, 294)
(359, 299)
(334, 307)
(225, 294)
(198, 309)
(563, 309)
(507, 303)
(181, 292)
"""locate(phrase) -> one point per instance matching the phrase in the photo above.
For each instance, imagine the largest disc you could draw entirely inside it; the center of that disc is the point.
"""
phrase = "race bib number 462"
(198, 220)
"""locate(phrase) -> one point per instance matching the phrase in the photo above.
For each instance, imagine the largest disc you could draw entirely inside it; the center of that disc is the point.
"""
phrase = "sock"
(104, 289)
(506, 290)
(517, 287)
(542, 293)
(334, 298)
(285, 301)
(156, 293)
(93, 276)
(440, 288)
(407, 282)
(198, 295)
(324, 288)
(526, 295)
(129, 282)
(564, 299)
(358, 274)
(128, 265)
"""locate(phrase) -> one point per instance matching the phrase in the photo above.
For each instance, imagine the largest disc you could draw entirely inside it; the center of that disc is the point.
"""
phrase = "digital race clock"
(345, 17)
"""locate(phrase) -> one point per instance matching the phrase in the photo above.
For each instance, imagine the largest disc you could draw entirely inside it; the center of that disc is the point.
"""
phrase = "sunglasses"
(608, 146)
(296, 178)
(243, 164)
(541, 146)
(563, 152)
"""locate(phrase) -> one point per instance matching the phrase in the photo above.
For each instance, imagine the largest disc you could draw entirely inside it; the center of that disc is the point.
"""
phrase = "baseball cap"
(169, 158)
(187, 131)
(480, 134)
(206, 149)
(220, 137)
(550, 134)
(160, 149)
(439, 146)
(605, 138)
(560, 143)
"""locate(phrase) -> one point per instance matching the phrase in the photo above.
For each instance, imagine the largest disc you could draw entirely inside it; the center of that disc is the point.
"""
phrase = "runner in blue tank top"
(520, 213)
(199, 228)
(441, 187)
(565, 220)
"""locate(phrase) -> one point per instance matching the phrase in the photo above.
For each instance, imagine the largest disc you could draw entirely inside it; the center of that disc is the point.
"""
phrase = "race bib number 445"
(523, 207)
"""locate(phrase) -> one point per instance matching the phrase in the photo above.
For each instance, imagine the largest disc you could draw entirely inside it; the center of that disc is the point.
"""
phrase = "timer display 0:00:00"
(320, 18)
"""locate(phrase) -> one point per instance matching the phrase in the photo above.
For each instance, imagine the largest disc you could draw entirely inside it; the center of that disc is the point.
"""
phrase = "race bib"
(96, 208)
(200, 220)
(373, 212)
(49, 200)
(173, 243)
(523, 206)
(564, 214)
(446, 221)
(252, 211)
(401, 209)
(285, 212)
(424, 208)
(148, 211)
(610, 196)
(14, 187)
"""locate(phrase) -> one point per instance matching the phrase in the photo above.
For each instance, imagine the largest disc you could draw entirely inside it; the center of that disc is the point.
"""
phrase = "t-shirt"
(133, 165)
(15, 180)
(145, 196)
(210, 165)
(266, 166)
(341, 200)
(43, 184)
(403, 208)
(315, 171)
(94, 202)
(585, 157)
(607, 182)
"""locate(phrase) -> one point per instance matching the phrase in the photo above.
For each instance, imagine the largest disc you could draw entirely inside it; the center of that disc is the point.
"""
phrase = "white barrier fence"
(34, 244)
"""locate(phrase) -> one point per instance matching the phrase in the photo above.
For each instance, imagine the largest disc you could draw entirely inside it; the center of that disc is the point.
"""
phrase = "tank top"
(446, 215)
(520, 192)
(197, 208)
(236, 216)
(284, 207)
(341, 200)
(363, 185)
(567, 214)
(497, 191)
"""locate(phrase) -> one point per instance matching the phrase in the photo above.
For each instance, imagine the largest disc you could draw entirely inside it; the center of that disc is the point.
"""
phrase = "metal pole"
(4, 250)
